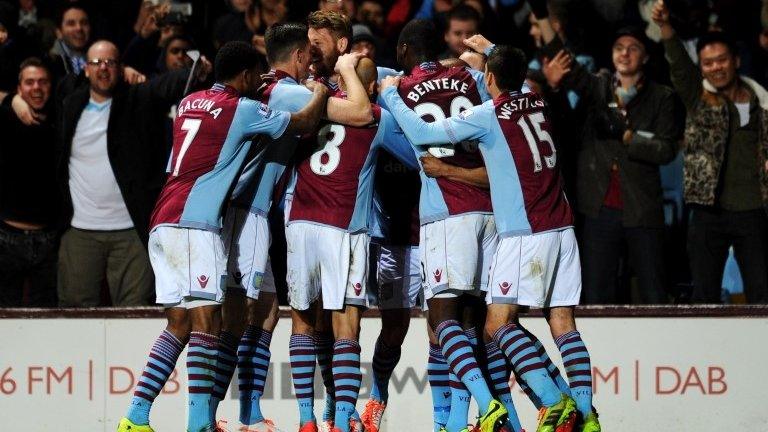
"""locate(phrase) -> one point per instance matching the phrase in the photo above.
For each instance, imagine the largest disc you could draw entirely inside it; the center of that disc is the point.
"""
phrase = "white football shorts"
(456, 253)
(539, 270)
(398, 275)
(189, 266)
(326, 261)
(247, 239)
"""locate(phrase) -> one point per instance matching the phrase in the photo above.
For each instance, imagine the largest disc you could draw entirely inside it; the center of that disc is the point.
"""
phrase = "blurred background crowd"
(661, 137)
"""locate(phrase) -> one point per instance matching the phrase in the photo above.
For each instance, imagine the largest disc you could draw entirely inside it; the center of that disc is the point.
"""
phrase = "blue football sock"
(303, 358)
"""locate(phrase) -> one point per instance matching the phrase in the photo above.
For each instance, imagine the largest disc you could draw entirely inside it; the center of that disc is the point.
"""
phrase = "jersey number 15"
(542, 136)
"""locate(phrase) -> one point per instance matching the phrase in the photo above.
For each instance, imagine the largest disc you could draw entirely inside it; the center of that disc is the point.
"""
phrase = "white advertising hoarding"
(659, 374)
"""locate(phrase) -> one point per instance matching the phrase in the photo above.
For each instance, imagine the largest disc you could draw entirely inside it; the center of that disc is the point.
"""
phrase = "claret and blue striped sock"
(160, 364)
(437, 372)
(524, 358)
(385, 358)
(225, 368)
(303, 359)
(201, 375)
(461, 360)
(324, 346)
(579, 369)
(253, 357)
(347, 379)
(498, 373)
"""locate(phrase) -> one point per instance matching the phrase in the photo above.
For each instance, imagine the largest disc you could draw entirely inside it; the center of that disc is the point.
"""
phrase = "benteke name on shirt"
(421, 89)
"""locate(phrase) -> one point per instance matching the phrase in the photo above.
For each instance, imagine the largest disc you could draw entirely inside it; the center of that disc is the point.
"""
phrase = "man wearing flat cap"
(630, 130)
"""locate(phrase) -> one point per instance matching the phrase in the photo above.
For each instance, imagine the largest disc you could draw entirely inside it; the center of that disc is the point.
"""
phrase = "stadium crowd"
(659, 127)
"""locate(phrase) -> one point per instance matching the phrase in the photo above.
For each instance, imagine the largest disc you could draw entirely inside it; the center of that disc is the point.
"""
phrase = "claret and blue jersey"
(436, 92)
(334, 186)
(212, 134)
(515, 140)
(255, 189)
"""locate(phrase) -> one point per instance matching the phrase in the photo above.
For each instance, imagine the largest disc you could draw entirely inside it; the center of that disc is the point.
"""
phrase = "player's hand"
(432, 166)
(478, 43)
(557, 68)
(317, 88)
(132, 76)
(390, 81)
(24, 112)
(347, 61)
(475, 60)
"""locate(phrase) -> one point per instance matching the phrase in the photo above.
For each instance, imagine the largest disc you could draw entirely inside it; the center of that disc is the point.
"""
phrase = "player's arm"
(434, 167)
(305, 120)
(452, 130)
(394, 141)
(355, 110)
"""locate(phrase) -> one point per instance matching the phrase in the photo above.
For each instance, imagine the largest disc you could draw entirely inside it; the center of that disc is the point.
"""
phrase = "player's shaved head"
(234, 58)
(282, 39)
(366, 71)
(509, 67)
(420, 36)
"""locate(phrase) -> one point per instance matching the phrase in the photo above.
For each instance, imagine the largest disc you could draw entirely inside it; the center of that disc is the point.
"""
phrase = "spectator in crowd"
(371, 13)
(629, 131)
(174, 56)
(725, 180)
(145, 51)
(111, 168)
(363, 41)
(28, 198)
(346, 7)
(74, 34)
(10, 50)
(463, 22)
(237, 24)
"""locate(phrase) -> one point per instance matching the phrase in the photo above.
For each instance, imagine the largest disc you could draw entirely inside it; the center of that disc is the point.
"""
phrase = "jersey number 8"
(329, 139)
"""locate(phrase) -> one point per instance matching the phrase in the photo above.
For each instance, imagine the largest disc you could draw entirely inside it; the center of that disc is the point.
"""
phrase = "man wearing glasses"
(110, 167)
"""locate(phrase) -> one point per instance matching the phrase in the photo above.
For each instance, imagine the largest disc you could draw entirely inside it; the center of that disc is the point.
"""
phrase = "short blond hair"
(338, 24)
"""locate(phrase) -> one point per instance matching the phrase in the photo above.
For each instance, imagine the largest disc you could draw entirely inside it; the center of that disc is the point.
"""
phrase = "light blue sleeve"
(393, 140)
(256, 118)
(383, 72)
(289, 97)
(470, 124)
(481, 88)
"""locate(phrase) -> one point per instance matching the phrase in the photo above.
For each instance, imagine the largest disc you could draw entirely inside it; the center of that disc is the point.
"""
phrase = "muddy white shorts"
(189, 264)
(456, 253)
(247, 239)
(539, 270)
(326, 261)
(398, 275)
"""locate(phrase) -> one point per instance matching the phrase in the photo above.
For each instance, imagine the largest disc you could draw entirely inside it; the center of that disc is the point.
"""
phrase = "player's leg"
(254, 356)
(202, 357)
(233, 326)
(460, 396)
(160, 365)
(439, 382)
(399, 285)
(304, 293)
(347, 375)
(564, 296)
(344, 273)
(324, 346)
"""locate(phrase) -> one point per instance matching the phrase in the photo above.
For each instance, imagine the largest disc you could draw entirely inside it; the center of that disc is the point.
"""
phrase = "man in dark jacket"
(28, 197)
(111, 167)
(630, 130)
(725, 179)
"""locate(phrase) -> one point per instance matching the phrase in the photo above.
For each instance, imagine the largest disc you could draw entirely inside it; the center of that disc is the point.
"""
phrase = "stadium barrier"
(665, 368)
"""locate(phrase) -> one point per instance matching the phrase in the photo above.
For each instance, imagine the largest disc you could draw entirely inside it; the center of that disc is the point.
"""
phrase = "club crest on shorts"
(358, 288)
(202, 280)
(438, 275)
(504, 287)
